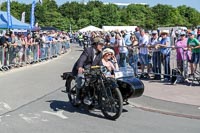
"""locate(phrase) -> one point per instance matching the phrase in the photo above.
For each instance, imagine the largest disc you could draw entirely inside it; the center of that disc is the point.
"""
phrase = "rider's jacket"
(88, 58)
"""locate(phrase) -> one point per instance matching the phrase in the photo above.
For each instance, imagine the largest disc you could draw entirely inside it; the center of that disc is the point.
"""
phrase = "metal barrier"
(19, 56)
(165, 66)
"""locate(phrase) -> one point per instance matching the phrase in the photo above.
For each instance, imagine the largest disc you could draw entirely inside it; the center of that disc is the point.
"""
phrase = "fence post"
(1, 58)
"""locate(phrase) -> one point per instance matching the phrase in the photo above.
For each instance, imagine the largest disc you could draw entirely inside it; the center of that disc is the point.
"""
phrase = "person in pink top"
(183, 55)
(110, 61)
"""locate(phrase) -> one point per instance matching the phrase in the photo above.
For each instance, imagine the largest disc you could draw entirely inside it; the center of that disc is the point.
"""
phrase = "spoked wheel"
(72, 93)
(112, 104)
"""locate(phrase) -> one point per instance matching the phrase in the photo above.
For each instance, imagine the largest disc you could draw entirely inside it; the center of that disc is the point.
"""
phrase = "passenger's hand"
(80, 70)
(114, 58)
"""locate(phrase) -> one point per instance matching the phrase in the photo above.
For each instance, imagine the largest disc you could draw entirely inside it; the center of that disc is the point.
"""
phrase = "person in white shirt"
(156, 58)
(143, 50)
(122, 50)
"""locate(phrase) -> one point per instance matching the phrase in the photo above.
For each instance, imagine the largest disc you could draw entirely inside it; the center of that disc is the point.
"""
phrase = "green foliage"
(79, 15)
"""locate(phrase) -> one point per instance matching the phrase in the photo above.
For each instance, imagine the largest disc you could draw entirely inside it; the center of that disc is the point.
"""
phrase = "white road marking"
(1, 117)
(4, 106)
(198, 107)
(44, 120)
(29, 119)
(58, 113)
(132, 106)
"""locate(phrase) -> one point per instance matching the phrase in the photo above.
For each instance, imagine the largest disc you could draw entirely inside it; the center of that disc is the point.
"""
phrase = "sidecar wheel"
(112, 104)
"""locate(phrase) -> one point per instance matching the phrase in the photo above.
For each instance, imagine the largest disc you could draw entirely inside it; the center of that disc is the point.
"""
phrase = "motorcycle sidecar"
(130, 87)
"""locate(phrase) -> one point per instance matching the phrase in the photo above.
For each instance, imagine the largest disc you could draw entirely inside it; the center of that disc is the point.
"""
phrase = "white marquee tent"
(119, 28)
(90, 28)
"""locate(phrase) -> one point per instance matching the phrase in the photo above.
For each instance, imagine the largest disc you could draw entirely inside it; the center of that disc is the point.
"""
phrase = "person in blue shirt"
(165, 49)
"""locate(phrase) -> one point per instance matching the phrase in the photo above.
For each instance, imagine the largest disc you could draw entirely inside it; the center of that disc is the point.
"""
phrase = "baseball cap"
(182, 33)
(154, 32)
(192, 32)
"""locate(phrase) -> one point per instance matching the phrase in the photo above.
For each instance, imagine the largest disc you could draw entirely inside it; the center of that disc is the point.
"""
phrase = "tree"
(190, 15)
(109, 15)
(16, 8)
(167, 15)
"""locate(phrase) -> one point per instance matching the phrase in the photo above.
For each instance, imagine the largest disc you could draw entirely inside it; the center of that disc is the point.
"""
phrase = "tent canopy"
(119, 28)
(49, 28)
(90, 28)
(16, 24)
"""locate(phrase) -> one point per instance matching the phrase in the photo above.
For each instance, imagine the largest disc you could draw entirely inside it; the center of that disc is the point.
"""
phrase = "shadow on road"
(56, 105)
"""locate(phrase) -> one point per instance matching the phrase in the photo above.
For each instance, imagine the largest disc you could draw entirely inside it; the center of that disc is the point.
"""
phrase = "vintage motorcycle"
(101, 92)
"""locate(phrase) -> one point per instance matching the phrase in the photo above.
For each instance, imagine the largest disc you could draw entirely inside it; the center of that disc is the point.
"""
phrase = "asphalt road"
(32, 100)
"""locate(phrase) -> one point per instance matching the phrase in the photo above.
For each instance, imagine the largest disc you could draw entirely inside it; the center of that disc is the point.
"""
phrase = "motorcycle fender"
(68, 76)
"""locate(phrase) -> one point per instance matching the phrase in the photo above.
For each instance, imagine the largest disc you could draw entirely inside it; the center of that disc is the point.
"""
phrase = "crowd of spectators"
(151, 51)
(19, 49)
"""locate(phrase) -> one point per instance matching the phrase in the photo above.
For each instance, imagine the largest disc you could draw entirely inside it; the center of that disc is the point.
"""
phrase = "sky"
(191, 3)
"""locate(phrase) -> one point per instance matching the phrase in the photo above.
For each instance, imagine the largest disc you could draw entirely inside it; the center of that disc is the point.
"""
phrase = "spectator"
(13, 49)
(198, 34)
(29, 42)
(116, 46)
(122, 50)
(137, 33)
(143, 51)
(183, 56)
(5, 44)
(20, 43)
(80, 39)
(127, 38)
(4, 40)
(133, 54)
(112, 39)
(107, 40)
(194, 45)
(156, 57)
(164, 45)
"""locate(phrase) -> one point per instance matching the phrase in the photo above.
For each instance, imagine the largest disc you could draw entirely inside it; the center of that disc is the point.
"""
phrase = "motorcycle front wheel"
(72, 93)
(112, 103)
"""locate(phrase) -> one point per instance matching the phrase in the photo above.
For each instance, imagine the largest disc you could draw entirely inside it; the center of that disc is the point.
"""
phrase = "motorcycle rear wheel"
(112, 104)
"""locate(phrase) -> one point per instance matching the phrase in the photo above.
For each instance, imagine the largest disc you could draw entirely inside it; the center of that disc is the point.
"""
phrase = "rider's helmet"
(98, 40)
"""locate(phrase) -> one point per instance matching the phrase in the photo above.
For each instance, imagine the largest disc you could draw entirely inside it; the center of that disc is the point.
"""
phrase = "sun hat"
(107, 50)
(165, 32)
(154, 32)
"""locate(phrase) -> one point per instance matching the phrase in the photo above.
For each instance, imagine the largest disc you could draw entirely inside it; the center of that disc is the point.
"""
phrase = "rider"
(91, 56)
